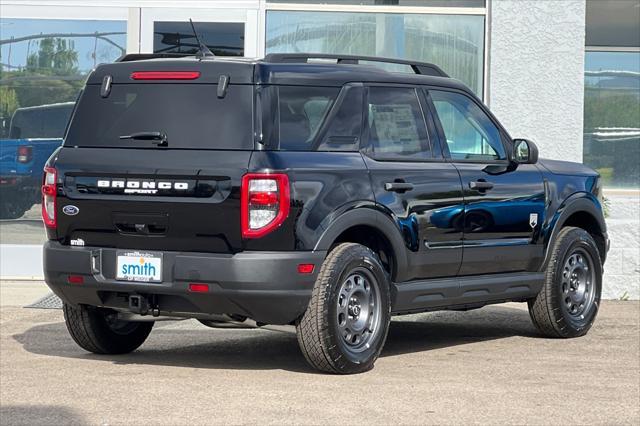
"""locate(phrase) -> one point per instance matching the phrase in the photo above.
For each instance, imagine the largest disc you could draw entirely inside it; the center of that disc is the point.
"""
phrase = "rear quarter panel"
(324, 185)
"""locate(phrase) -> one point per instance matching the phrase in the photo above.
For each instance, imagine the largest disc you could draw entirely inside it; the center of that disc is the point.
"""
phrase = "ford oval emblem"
(70, 210)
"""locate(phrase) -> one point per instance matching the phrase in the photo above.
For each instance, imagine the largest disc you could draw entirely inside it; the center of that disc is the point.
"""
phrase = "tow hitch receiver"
(138, 304)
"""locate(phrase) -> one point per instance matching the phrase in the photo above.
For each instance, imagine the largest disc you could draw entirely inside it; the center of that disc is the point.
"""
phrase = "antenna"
(203, 50)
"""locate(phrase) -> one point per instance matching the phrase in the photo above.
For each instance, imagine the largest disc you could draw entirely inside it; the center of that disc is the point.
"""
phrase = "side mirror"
(525, 151)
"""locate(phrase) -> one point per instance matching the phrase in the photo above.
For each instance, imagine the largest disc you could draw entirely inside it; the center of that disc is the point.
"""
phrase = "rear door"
(503, 202)
(413, 182)
(156, 165)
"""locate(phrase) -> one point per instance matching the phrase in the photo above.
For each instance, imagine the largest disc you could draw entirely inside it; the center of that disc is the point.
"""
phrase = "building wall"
(622, 270)
(536, 72)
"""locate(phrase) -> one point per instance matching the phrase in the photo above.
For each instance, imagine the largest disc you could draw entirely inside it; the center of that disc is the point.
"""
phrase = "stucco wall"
(536, 72)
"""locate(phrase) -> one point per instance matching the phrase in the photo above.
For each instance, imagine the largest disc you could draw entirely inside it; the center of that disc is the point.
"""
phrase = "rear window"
(190, 115)
(43, 122)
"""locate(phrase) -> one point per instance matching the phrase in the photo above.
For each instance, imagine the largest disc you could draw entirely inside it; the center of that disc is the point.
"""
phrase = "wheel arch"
(373, 229)
(582, 211)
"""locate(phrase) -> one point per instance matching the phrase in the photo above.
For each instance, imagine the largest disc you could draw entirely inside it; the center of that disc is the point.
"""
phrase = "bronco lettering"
(148, 185)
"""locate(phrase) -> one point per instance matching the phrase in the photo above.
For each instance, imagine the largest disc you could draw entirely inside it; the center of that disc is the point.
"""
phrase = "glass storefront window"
(222, 38)
(419, 3)
(612, 23)
(612, 116)
(453, 42)
(44, 64)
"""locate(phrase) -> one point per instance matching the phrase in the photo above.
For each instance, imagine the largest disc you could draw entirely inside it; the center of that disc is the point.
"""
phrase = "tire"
(345, 325)
(568, 302)
(96, 330)
(12, 209)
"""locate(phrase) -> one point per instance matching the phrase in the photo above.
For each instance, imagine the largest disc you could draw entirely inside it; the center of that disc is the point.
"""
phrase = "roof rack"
(423, 68)
(144, 56)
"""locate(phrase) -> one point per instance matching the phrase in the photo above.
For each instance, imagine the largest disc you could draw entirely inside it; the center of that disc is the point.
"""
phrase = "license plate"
(139, 266)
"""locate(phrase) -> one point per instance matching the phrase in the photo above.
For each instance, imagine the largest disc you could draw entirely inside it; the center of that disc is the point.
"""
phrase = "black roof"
(275, 69)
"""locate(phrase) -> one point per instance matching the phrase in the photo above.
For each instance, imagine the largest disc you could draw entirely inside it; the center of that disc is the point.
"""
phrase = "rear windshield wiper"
(159, 138)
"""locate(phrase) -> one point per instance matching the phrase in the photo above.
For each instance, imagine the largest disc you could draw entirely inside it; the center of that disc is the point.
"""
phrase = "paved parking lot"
(483, 366)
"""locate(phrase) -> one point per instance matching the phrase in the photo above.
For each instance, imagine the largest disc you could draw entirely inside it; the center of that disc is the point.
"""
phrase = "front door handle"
(398, 186)
(480, 185)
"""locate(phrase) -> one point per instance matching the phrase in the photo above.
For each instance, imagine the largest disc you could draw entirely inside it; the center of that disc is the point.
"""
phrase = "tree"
(51, 74)
(54, 56)
(8, 101)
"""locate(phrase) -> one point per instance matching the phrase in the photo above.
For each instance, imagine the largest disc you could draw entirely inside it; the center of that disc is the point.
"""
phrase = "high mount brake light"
(165, 75)
(265, 203)
(49, 195)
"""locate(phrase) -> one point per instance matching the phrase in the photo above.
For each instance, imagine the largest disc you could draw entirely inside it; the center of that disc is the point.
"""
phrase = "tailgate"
(183, 200)
(155, 165)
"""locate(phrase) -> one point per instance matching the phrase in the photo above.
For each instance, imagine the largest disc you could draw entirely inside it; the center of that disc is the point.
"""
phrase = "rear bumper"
(264, 286)
(16, 181)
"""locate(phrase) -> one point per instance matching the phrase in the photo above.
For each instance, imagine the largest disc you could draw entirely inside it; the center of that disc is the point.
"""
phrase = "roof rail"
(423, 68)
(144, 56)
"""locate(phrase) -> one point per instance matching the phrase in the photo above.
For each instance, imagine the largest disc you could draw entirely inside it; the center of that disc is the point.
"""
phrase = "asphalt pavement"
(485, 366)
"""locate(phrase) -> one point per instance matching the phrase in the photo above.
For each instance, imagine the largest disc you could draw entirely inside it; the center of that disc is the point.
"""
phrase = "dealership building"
(563, 73)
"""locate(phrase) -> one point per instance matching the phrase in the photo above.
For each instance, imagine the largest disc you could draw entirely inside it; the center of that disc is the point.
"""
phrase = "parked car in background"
(34, 133)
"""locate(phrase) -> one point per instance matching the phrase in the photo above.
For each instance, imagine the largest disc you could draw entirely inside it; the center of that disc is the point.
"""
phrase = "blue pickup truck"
(34, 133)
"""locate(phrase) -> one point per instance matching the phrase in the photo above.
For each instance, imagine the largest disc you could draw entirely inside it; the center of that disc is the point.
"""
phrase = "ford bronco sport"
(318, 191)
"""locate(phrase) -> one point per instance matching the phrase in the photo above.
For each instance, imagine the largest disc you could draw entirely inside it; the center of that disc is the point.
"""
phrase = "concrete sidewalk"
(483, 366)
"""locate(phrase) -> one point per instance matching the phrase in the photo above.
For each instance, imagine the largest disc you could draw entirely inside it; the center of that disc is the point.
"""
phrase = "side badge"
(70, 210)
(533, 220)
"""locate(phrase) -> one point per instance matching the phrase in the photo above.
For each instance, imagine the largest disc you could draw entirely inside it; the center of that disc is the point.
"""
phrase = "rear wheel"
(346, 323)
(569, 300)
(13, 205)
(99, 331)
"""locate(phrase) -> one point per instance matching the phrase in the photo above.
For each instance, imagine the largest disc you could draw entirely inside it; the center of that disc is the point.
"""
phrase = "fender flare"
(367, 216)
(580, 202)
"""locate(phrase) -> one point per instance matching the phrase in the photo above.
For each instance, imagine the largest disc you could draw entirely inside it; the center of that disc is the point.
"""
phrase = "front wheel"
(99, 331)
(346, 323)
(569, 300)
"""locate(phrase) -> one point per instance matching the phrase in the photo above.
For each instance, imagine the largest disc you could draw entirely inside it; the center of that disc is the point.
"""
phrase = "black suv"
(318, 191)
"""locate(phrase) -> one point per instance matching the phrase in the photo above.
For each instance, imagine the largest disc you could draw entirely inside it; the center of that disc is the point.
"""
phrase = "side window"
(343, 129)
(302, 110)
(470, 134)
(396, 124)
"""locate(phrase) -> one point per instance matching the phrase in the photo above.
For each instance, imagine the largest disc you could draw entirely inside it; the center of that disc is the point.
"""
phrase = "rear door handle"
(398, 186)
(480, 185)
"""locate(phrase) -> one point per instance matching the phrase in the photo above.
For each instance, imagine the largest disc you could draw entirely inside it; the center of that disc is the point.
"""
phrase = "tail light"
(265, 203)
(49, 194)
(25, 154)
